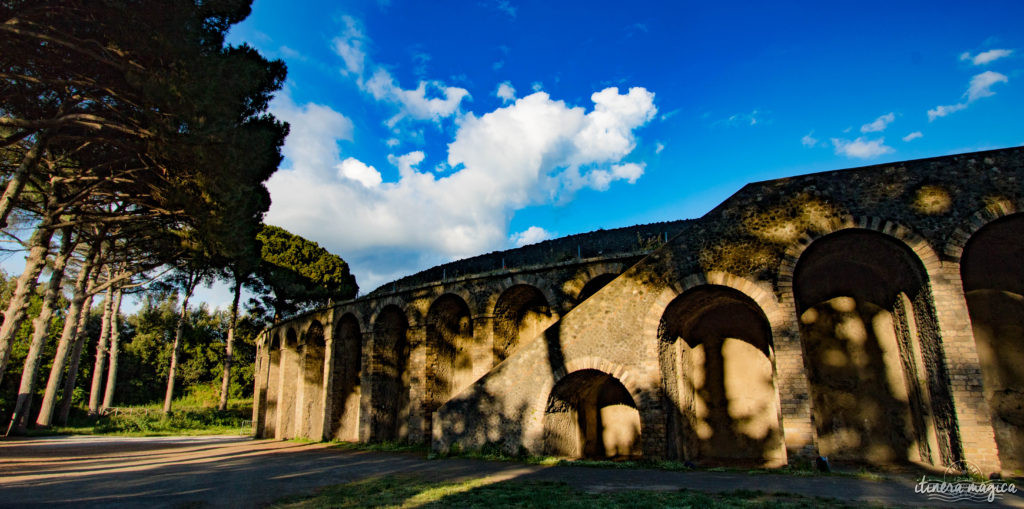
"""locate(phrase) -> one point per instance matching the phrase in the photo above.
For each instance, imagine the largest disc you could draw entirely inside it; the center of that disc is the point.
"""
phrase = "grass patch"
(409, 492)
(149, 420)
(386, 446)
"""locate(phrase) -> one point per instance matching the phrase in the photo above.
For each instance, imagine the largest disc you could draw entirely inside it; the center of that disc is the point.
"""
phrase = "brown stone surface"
(846, 330)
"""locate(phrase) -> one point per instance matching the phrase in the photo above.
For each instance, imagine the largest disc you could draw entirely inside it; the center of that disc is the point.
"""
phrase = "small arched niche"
(590, 414)
(717, 369)
(994, 286)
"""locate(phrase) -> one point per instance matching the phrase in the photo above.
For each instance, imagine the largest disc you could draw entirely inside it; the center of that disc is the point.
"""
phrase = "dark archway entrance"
(717, 370)
(590, 414)
(520, 314)
(994, 286)
(347, 351)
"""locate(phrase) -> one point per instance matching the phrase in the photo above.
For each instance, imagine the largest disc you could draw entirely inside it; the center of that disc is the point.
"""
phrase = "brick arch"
(498, 288)
(761, 295)
(572, 287)
(917, 244)
(954, 249)
(458, 291)
(340, 313)
(412, 315)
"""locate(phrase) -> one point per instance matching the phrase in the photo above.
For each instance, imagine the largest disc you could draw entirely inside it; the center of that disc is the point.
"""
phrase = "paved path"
(240, 472)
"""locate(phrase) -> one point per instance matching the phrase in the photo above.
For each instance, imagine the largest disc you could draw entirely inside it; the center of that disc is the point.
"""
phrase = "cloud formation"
(913, 136)
(879, 124)
(986, 57)
(531, 235)
(505, 92)
(861, 148)
(979, 87)
(534, 150)
(808, 140)
(444, 101)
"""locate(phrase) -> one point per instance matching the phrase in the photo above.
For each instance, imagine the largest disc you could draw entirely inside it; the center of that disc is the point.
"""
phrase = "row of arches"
(867, 325)
(457, 352)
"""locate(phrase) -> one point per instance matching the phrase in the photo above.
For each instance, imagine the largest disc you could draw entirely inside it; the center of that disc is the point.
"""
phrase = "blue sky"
(429, 131)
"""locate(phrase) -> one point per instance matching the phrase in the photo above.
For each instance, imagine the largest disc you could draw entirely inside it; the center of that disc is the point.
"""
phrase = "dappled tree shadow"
(314, 347)
(449, 350)
(717, 371)
(389, 376)
(994, 285)
(347, 351)
(590, 414)
(520, 314)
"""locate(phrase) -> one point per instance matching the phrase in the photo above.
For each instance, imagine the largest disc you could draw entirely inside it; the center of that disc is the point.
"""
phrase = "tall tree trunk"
(108, 396)
(225, 383)
(40, 330)
(101, 354)
(17, 182)
(67, 338)
(68, 391)
(39, 247)
(176, 350)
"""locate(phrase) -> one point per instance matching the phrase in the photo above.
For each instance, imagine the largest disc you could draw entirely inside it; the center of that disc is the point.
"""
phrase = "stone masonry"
(872, 315)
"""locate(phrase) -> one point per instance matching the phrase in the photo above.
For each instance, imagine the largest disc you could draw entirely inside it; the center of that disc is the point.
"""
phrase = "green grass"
(189, 417)
(409, 492)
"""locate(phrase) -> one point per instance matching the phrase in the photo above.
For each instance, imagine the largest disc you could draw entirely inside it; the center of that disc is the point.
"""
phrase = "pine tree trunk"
(176, 351)
(108, 396)
(17, 182)
(225, 383)
(39, 246)
(101, 355)
(68, 391)
(67, 340)
(40, 330)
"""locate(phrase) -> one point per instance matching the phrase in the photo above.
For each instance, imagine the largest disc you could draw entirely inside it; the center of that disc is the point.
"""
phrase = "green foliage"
(296, 273)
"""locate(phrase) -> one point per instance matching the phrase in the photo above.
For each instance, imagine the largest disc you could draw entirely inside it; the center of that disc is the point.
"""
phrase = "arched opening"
(347, 351)
(716, 362)
(314, 346)
(520, 314)
(994, 286)
(590, 414)
(389, 378)
(596, 283)
(867, 323)
(288, 385)
(273, 386)
(450, 350)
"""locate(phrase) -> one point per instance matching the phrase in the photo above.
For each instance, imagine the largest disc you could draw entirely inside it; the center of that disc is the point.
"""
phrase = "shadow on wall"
(450, 347)
(347, 351)
(590, 414)
(994, 285)
(716, 363)
(389, 376)
(521, 313)
(865, 313)
(314, 347)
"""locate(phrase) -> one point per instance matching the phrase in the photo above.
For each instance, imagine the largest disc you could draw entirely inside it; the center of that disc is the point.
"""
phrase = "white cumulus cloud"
(808, 140)
(505, 92)
(861, 148)
(535, 150)
(979, 87)
(531, 235)
(986, 57)
(913, 136)
(879, 124)
(350, 46)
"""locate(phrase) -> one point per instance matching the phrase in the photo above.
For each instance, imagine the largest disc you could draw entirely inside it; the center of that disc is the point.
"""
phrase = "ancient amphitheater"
(872, 315)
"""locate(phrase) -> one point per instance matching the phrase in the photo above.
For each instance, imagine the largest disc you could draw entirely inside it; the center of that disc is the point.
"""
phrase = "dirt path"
(239, 472)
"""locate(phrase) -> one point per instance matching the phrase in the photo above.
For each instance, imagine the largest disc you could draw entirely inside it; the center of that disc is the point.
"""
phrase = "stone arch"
(587, 282)
(288, 384)
(867, 324)
(993, 284)
(389, 375)
(413, 316)
(273, 385)
(593, 285)
(450, 350)
(591, 414)
(521, 312)
(958, 240)
(314, 348)
(715, 353)
(347, 349)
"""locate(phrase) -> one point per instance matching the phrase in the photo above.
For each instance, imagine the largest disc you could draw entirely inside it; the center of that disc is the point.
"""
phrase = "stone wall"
(818, 314)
